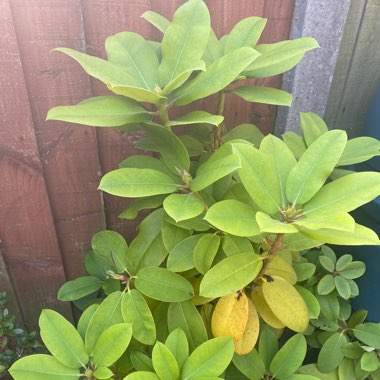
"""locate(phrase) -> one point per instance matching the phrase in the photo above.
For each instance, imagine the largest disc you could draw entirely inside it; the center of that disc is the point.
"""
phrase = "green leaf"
(147, 248)
(259, 178)
(141, 362)
(183, 206)
(178, 345)
(327, 263)
(299, 242)
(209, 359)
(197, 117)
(329, 306)
(281, 159)
(97, 266)
(163, 285)
(290, 357)
(368, 333)
(267, 95)
(85, 318)
(181, 256)
(230, 275)
(173, 152)
(310, 301)
(106, 315)
(369, 362)
(312, 369)
(132, 183)
(357, 317)
(359, 149)
(232, 245)
(137, 205)
(360, 236)
(248, 132)
(183, 44)
(214, 49)
(345, 194)
(160, 315)
(136, 56)
(268, 345)
(353, 270)
(184, 315)
(159, 21)
(331, 353)
(103, 373)
(42, 367)
(145, 162)
(213, 170)
(304, 270)
(279, 57)
(233, 217)
(111, 246)
(295, 143)
(78, 288)
(343, 262)
(326, 285)
(218, 76)
(62, 340)
(346, 369)
(250, 365)
(352, 350)
(205, 252)
(193, 145)
(135, 310)
(267, 224)
(142, 375)
(172, 234)
(111, 344)
(314, 166)
(101, 111)
(136, 93)
(245, 33)
(343, 287)
(164, 362)
(312, 126)
(314, 221)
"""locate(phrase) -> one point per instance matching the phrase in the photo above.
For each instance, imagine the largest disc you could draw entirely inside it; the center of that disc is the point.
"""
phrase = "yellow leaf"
(286, 303)
(230, 316)
(247, 341)
(263, 309)
(281, 268)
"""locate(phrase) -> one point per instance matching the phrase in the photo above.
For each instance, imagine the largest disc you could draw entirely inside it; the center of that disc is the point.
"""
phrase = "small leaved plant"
(229, 276)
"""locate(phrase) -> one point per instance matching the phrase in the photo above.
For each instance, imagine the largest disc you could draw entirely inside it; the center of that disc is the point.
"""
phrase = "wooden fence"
(49, 171)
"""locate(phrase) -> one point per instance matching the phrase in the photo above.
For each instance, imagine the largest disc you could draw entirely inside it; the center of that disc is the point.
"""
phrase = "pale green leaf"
(136, 93)
(353, 270)
(159, 21)
(145, 162)
(85, 318)
(205, 252)
(247, 132)
(135, 310)
(314, 166)
(369, 361)
(331, 353)
(136, 56)
(78, 288)
(289, 358)
(342, 287)
(279, 57)
(172, 234)
(312, 126)
(183, 206)
(304, 270)
(345, 194)
(295, 143)
(111, 344)
(107, 314)
(360, 236)
(329, 306)
(42, 367)
(267, 224)
(184, 315)
(299, 242)
(245, 33)
(214, 49)
(178, 345)
(232, 245)
(185, 37)
(267, 95)
(233, 217)
(314, 221)
(133, 182)
(142, 375)
(368, 333)
(62, 339)
(310, 301)
(101, 111)
(197, 117)
(163, 285)
(164, 362)
(343, 262)
(209, 359)
(359, 149)
(103, 373)
(173, 152)
(259, 178)
(218, 76)
(230, 275)
(312, 370)
(326, 285)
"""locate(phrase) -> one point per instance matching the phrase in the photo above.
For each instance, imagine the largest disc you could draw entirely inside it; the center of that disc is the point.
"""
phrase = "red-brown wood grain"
(27, 230)
(69, 152)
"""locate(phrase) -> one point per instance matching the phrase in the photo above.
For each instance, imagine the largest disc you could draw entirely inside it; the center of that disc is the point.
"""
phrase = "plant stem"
(164, 116)
(218, 130)
(274, 250)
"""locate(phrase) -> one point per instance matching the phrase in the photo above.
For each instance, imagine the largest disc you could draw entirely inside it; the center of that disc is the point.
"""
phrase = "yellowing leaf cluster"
(235, 315)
